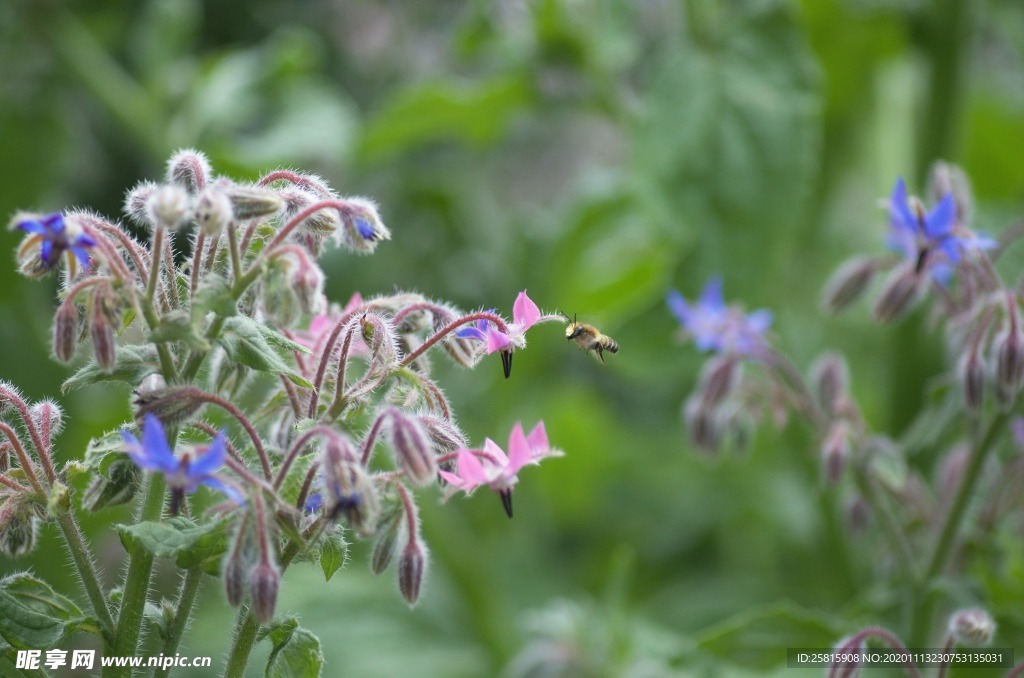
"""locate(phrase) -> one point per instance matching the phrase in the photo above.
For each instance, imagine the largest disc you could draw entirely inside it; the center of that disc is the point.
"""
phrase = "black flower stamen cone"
(506, 363)
(506, 501)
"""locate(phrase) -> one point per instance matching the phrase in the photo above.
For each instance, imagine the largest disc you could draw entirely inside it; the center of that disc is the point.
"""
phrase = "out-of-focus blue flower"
(717, 327)
(56, 239)
(183, 475)
(933, 240)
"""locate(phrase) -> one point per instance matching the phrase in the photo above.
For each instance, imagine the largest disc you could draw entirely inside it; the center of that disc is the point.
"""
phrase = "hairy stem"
(88, 575)
(182, 612)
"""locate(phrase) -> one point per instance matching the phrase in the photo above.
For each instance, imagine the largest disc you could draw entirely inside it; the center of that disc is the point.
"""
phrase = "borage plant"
(926, 536)
(246, 381)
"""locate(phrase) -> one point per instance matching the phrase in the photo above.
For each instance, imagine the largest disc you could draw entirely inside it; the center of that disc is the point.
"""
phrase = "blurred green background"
(596, 153)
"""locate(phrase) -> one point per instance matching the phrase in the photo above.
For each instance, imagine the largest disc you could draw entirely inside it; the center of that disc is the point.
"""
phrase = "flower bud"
(189, 169)
(264, 581)
(411, 446)
(858, 513)
(412, 566)
(349, 491)
(702, 426)
(380, 337)
(171, 405)
(168, 206)
(362, 227)
(101, 331)
(238, 564)
(830, 379)
(972, 627)
(115, 486)
(212, 212)
(18, 534)
(136, 202)
(465, 352)
(848, 283)
(835, 452)
(252, 202)
(718, 379)
(65, 331)
(384, 540)
(307, 280)
(1009, 360)
(972, 379)
(901, 292)
(319, 224)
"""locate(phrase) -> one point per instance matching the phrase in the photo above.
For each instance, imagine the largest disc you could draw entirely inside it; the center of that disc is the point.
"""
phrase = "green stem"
(82, 556)
(920, 621)
(186, 597)
(136, 583)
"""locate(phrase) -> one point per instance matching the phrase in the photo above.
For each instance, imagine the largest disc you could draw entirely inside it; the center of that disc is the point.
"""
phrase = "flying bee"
(589, 338)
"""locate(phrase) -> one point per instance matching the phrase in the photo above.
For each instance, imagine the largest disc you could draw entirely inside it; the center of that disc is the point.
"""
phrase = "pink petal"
(494, 452)
(524, 312)
(496, 341)
(518, 450)
(538, 440)
(471, 470)
(452, 479)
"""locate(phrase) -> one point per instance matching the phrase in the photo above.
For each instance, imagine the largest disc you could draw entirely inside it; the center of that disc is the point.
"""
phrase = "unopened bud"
(168, 206)
(212, 211)
(362, 227)
(101, 331)
(189, 169)
(972, 379)
(65, 331)
(308, 282)
(858, 513)
(848, 283)
(972, 627)
(252, 202)
(136, 202)
(385, 539)
(830, 379)
(465, 352)
(835, 452)
(264, 581)
(320, 223)
(349, 492)
(380, 337)
(945, 178)
(702, 425)
(48, 413)
(171, 405)
(18, 528)
(718, 379)
(412, 567)
(1010, 360)
(115, 485)
(411, 445)
(901, 292)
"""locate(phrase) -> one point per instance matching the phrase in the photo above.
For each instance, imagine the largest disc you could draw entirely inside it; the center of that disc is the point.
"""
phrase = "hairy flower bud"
(412, 566)
(858, 513)
(189, 169)
(463, 351)
(702, 425)
(252, 202)
(136, 202)
(380, 337)
(168, 206)
(385, 539)
(900, 293)
(972, 378)
(362, 227)
(307, 280)
(101, 330)
(413, 452)
(213, 211)
(718, 379)
(264, 581)
(113, 486)
(238, 564)
(848, 283)
(972, 627)
(1010, 360)
(18, 528)
(321, 223)
(171, 405)
(945, 178)
(835, 452)
(65, 331)
(349, 492)
(830, 380)
(47, 414)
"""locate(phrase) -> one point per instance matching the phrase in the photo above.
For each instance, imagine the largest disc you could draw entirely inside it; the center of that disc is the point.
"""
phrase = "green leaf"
(213, 295)
(178, 538)
(758, 638)
(245, 341)
(33, 615)
(443, 111)
(296, 651)
(333, 553)
(178, 326)
(133, 363)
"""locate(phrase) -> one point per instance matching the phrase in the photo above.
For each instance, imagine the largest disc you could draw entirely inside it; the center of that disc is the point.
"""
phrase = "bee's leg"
(600, 353)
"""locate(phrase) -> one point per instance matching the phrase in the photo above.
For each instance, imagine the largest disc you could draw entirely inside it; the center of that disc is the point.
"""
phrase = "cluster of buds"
(242, 310)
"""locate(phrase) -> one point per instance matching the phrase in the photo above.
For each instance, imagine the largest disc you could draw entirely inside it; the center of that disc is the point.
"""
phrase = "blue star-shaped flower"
(56, 240)
(717, 327)
(929, 239)
(183, 475)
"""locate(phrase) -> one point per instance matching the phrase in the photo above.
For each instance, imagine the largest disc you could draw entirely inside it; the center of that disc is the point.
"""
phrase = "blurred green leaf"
(296, 652)
(249, 343)
(134, 362)
(33, 615)
(333, 552)
(178, 538)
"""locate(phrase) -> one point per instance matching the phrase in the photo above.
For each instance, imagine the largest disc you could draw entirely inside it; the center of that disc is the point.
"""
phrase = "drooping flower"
(492, 467)
(933, 240)
(717, 327)
(55, 237)
(185, 474)
(525, 315)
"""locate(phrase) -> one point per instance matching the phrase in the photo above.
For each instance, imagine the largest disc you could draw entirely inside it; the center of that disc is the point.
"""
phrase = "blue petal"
(54, 223)
(156, 452)
(365, 228)
(711, 297)
(47, 253)
(940, 221)
(211, 460)
(678, 306)
(759, 321)
(81, 254)
(32, 226)
(471, 332)
(226, 488)
(899, 208)
(314, 502)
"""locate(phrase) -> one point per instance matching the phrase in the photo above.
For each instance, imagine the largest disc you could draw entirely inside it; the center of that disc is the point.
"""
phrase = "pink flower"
(490, 466)
(525, 315)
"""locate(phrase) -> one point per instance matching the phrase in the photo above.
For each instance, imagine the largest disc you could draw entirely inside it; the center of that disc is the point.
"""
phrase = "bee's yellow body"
(589, 338)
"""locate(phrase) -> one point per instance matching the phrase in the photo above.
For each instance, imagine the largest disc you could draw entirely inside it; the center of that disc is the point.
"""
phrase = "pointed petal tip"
(506, 501)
